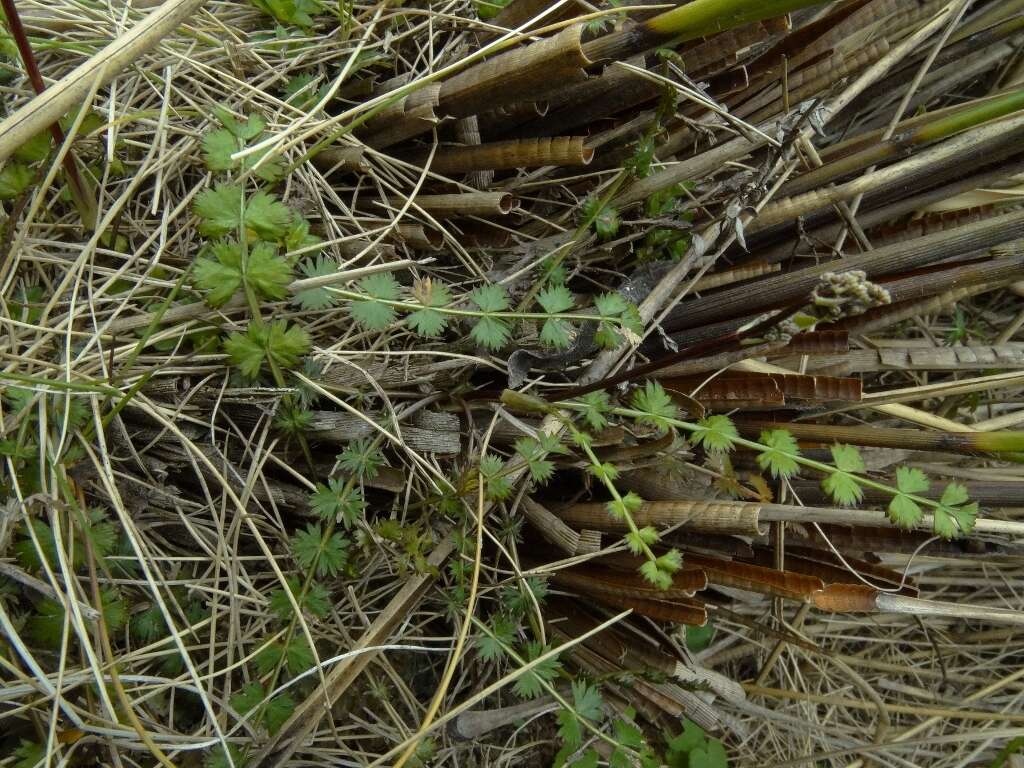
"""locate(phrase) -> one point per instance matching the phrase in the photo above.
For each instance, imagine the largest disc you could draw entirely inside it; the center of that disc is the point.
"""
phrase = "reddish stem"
(32, 69)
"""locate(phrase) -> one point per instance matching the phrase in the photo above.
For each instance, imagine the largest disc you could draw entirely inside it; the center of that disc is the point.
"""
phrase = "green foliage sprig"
(777, 451)
(378, 301)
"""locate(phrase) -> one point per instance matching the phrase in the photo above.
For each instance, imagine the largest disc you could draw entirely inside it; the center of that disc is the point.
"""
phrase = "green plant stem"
(753, 445)
(606, 481)
(410, 307)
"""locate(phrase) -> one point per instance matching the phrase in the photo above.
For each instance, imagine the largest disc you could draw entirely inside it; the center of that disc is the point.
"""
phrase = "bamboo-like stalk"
(783, 289)
(607, 581)
(873, 322)
(881, 212)
(951, 55)
(941, 128)
(724, 49)
(735, 275)
(410, 117)
(989, 17)
(504, 119)
(519, 12)
(507, 155)
(67, 93)
(467, 204)
(579, 104)
(688, 22)
(714, 158)
(679, 610)
(522, 74)
(885, 437)
(335, 159)
(858, 598)
(887, 602)
(1008, 356)
(702, 516)
(775, 513)
(846, 598)
(812, 80)
(948, 154)
(467, 131)
(590, 542)
(552, 528)
(1004, 270)
(418, 238)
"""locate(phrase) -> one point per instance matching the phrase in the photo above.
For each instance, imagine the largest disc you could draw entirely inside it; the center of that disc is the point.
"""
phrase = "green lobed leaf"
(529, 685)
(496, 487)
(278, 710)
(220, 276)
(603, 218)
(520, 598)
(556, 333)
(15, 178)
(267, 216)
(219, 209)
(427, 322)
(692, 735)
(843, 485)
(954, 516)
(266, 272)
(491, 332)
(148, 625)
(843, 488)
(847, 458)
(493, 648)
(29, 755)
(717, 433)
(37, 149)
(654, 575)
(326, 500)
(218, 146)
(903, 510)
(711, 755)
(316, 600)
(371, 312)
(316, 298)
(628, 505)
(298, 238)
(279, 342)
(596, 405)
(626, 732)
(606, 472)
(248, 698)
(656, 406)
(642, 539)
(569, 729)
(779, 455)
(490, 298)
(556, 299)
(610, 304)
(699, 638)
(670, 562)
(541, 470)
(361, 458)
(311, 548)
